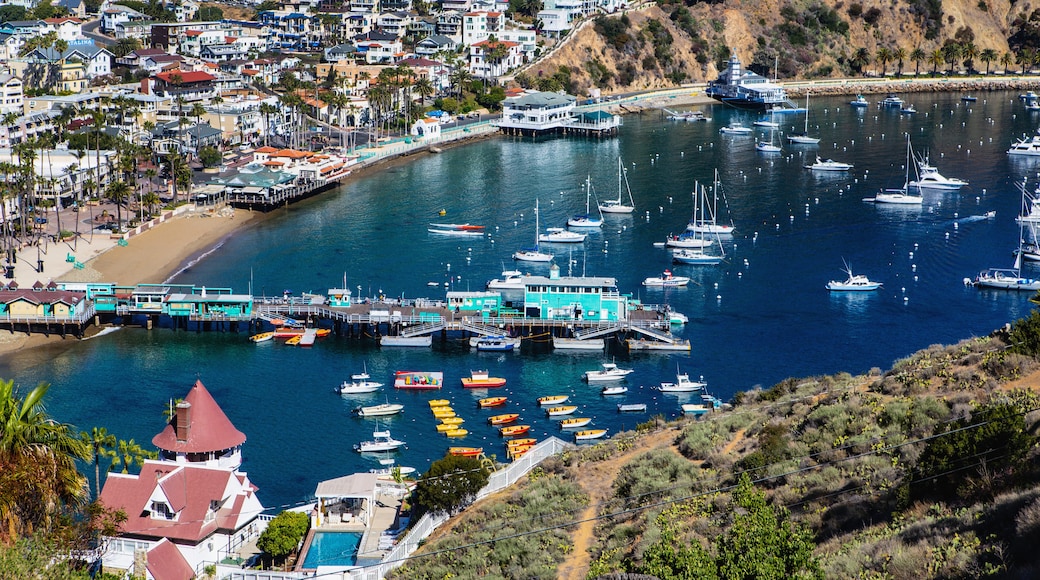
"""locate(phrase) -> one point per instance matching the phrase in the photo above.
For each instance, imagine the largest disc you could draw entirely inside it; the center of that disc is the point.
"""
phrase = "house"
(11, 94)
(142, 31)
(449, 23)
(431, 45)
(40, 301)
(161, 62)
(170, 137)
(190, 85)
(492, 59)
(135, 59)
(428, 127)
(116, 14)
(340, 52)
(395, 23)
(478, 26)
(200, 433)
(379, 47)
(67, 29)
(94, 60)
(574, 297)
(76, 8)
(221, 52)
(438, 73)
(461, 6)
(10, 45)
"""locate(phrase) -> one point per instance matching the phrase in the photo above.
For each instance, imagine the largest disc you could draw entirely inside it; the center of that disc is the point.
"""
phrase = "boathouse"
(535, 113)
(40, 302)
(587, 298)
(210, 305)
(485, 302)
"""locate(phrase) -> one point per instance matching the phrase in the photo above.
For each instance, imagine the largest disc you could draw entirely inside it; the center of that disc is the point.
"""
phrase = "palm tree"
(936, 59)
(424, 87)
(1006, 60)
(859, 59)
(987, 56)
(129, 453)
(101, 444)
(969, 52)
(197, 111)
(118, 191)
(38, 475)
(951, 52)
(1025, 58)
(917, 55)
(267, 109)
(899, 55)
(883, 57)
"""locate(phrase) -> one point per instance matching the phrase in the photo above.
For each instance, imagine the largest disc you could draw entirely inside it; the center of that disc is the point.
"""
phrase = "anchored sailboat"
(803, 138)
(618, 205)
(1009, 278)
(586, 220)
(533, 254)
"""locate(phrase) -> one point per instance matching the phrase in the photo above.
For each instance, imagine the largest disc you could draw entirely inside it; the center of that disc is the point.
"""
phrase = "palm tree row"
(946, 56)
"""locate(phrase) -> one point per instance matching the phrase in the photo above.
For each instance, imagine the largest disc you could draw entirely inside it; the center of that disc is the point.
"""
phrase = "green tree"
(899, 55)
(860, 59)
(38, 476)
(129, 454)
(11, 12)
(210, 156)
(670, 558)
(883, 57)
(936, 59)
(209, 14)
(988, 56)
(283, 534)
(450, 484)
(918, 55)
(125, 46)
(101, 444)
(1006, 60)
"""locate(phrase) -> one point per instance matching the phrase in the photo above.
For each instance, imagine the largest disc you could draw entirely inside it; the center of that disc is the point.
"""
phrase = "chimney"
(182, 425)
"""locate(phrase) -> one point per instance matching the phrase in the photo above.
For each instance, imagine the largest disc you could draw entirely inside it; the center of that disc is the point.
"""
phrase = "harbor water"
(759, 317)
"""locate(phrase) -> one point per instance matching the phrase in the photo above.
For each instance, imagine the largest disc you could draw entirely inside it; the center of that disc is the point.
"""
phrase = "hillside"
(667, 44)
(928, 470)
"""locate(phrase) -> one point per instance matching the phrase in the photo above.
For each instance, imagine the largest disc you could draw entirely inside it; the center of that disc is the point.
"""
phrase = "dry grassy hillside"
(810, 38)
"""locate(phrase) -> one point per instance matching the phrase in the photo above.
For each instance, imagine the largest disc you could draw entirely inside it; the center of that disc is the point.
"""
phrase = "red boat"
(465, 451)
(511, 430)
(291, 331)
(458, 227)
(503, 419)
(481, 380)
(491, 402)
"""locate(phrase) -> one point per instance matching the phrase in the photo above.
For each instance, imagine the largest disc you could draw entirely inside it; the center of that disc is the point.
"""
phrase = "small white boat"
(609, 373)
(575, 422)
(766, 124)
(666, 280)
(829, 165)
(586, 220)
(907, 110)
(510, 280)
(859, 101)
(735, 129)
(767, 147)
(1026, 146)
(614, 390)
(618, 205)
(854, 283)
(695, 258)
(892, 100)
(901, 195)
(552, 400)
(1010, 278)
(358, 387)
(458, 233)
(632, 408)
(589, 434)
(930, 178)
(390, 470)
(381, 441)
(363, 375)
(687, 116)
(687, 240)
(533, 254)
(379, 410)
(682, 384)
(406, 340)
(561, 410)
(561, 236)
(803, 138)
(560, 343)
(495, 343)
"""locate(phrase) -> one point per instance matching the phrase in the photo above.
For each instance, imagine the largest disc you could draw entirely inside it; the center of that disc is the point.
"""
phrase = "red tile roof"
(187, 76)
(209, 429)
(165, 562)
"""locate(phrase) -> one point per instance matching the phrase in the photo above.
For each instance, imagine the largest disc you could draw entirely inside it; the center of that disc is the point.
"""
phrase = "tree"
(918, 55)
(118, 191)
(951, 52)
(125, 46)
(899, 55)
(11, 12)
(210, 156)
(101, 444)
(671, 559)
(129, 454)
(209, 14)
(38, 476)
(450, 484)
(283, 534)
(860, 59)
(883, 57)
(988, 55)
(936, 59)
(1006, 60)
(267, 109)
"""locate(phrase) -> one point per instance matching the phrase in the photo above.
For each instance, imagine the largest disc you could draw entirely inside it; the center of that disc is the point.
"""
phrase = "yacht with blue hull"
(746, 90)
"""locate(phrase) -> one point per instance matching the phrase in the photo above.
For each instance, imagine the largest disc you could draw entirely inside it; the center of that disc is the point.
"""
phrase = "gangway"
(597, 331)
(661, 336)
(482, 329)
(421, 330)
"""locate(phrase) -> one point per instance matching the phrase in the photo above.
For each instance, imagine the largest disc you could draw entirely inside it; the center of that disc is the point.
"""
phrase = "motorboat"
(682, 384)
(1009, 278)
(513, 430)
(381, 441)
(533, 254)
(358, 387)
(860, 101)
(688, 116)
(666, 280)
(892, 100)
(379, 410)
(586, 220)
(510, 280)
(504, 419)
(552, 400)
(496, 343)
(418, 380)
(618, 205)
(803, 138)
(488, 402)
(902, 195)
(969, 99)
(481, 380)
(829, 165)
(631, 408)
(363, 375)
(614, 390)
(609, 373)
(589, 434)
(907, 110)
(688, 240)
(1026, 146)
(561, 410)
(766, 124)
(735, 129)
(389, 469)
(465, 451)
(854, 283)
(741, 88)
(575, 422)
(930, 178)
(262, 337)
(561, 236)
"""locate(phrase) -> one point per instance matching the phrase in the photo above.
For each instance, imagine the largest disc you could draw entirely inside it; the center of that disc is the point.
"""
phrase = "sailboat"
(1009, 278)
(900, 195)
(709, 224)
(697, 256)
(618, 205)
(586, 220)
(768, 146)
(533, 254)
(803, 138)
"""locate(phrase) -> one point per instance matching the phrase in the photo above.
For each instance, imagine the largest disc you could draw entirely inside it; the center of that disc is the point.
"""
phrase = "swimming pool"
(332, 549)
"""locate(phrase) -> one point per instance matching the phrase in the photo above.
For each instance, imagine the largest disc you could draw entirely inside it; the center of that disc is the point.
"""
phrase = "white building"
(11, 94)
(478, 26)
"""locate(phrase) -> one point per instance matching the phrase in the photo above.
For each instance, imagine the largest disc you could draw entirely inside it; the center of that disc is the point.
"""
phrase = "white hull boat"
(379, 410)
(930, 178)
(561, 236)
(900, 196)
(1030, 146)
(510, 280)
(803, 138)
(860, 101)
(687, 116)
(358, 387)
(891, 101)
(1010, 278)
(666, 280)
(682, 384)
(609, 373)
(456, 233)
(381, 441)
(766, 147)
(533, 254)
(707, 221)
(695, 258)
(494, 343)
(586, 220)
(854, 283)
(688, 241)
(829, 165)
(618, 205)
(617, 390)
(578, 343)
(735, 129)
(406, 341)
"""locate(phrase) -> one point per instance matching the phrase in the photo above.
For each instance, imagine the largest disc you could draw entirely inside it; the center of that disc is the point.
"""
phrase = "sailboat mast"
(807, 113)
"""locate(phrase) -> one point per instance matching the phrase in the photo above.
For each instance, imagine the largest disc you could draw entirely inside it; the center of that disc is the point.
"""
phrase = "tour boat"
(465, 451)
(618, 205)
(381, 441)
(609, 372)
(439, 403)
(379, 410)
(510, 280)
(510, 430)
(561, 410)
(418, 379)
(859, 101)
(575, 422)
(589, 434)
(480, 379)
(552, 400)
(491, 402)
(614, 390)
(503, 419)
(682, 384)
(561, 236)
(262, 337)
(854, 283)
(829, 165)
(358, 387)
(666, 280)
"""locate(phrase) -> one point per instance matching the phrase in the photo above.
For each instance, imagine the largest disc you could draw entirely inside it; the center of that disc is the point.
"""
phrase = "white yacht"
(767, 147)
(561, 236)
(533, 254)
(1009, 278)
(609, 372)
(381, 441)
(859, 101)
(802, 137)
(829, 165)
(682, 384)
(618, 205)
(510, 280)
(735, 129)
(707, 222)
(666, 280)
(902, 195)
(1026, 146)
(892, 100)
(854, 283)
(358, 387)
(930, 178)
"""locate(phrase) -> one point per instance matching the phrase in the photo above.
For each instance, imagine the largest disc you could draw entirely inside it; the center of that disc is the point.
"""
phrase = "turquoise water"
(761, 316)
(332, 549)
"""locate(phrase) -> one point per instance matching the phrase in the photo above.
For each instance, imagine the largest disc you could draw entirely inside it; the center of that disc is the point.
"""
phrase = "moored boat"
(552, 400)
(358, 387)
(445, 427)
(495, 343)
(561, 236)
(510, 280)
(465, 451)
(618, 206)
(589, 434)
(379, 410)
(491, 402)
(575, 422)
(829, 165)
(460, 233)
(503, 419)
(418, 379)
(614, 390)
(457, 432)
(632, 408)
(561, 410)
(262, 337)
(458, 227)
(741, 88)
(406, 340)
(439, 403)
(481, 380)
(682, 384)
(511, 430)
(854, 283)
(644, 344)
(291, 331)
(859, 101)
(381, 441)
(443, 413)
(521, 442)
(610, 372)
(561, 343)
(666, 280)
(1026, 146)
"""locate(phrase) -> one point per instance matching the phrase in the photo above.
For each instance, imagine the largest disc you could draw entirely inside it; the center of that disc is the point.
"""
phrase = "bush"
(283, 534)
(210, 156)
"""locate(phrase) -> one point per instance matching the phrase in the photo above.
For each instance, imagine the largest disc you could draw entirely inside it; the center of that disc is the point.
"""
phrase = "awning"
(358, 485)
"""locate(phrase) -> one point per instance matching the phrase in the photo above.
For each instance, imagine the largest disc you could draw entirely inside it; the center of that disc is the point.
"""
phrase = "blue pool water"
(332, 549)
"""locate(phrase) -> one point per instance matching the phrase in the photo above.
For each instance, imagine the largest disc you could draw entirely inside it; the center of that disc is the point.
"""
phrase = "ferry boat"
(744, 89)
(481, 380)
(418, 380)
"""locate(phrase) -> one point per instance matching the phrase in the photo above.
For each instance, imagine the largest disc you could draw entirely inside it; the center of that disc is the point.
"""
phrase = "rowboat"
(491, 402)
(589, 434)
(418, 380)
(465, 451)
(444, 427)
(481, 380)
(615, 390)
(439, 403)
(511, 430)
(561, 410)
(513, 443)
(462, 227)
(457, 432)
(515, 453)
(552, 400)
(632, 408)
(262, 337)
(464, 233)
(575, 422)
(443, 413)
(503, 419)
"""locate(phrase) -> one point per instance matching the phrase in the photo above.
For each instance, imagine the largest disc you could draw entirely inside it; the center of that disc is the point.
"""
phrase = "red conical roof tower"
(200, 432)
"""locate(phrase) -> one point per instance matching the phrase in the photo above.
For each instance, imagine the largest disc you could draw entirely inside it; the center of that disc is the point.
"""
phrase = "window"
(161, 510)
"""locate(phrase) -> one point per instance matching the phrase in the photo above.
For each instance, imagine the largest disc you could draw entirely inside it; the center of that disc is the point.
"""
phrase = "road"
(90, 30)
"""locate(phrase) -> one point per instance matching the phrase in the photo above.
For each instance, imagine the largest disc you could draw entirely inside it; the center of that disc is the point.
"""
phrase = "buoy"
(442, 212)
